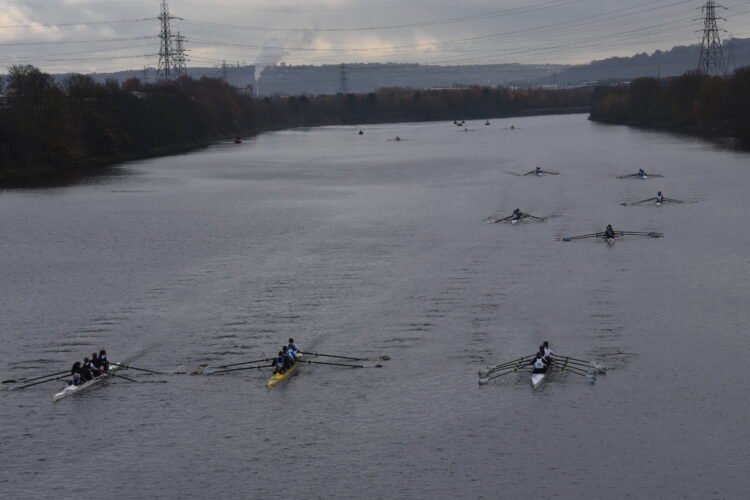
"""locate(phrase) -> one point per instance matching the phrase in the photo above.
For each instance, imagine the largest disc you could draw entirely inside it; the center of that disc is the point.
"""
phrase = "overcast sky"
(109, 35)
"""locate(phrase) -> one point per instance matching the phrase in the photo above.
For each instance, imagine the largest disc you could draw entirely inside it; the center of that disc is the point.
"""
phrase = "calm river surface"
(362, 246)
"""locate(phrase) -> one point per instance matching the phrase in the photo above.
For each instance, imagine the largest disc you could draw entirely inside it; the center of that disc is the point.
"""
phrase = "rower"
(538, 170)
(517, 214)
(659, 197)
(76, 373)
(548, 352)
(609, 232)
(97, 364)
(540, 366)
(87, 370)
(294, 348)
(104, 360)
(641, 172)
(288, 356)
(278, 363)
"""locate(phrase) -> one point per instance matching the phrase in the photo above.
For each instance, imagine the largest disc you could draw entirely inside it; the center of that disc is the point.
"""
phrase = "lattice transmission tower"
(711, 59)
(165, 68)
(179, 60)
(343, 79)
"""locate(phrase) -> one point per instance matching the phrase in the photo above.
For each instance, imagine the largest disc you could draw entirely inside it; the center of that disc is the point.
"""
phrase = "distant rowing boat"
(74, 389)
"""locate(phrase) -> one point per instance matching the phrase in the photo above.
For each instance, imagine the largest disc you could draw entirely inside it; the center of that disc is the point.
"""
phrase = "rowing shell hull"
(538, 378)
(74, 389)
(277, 378)
(610, 241)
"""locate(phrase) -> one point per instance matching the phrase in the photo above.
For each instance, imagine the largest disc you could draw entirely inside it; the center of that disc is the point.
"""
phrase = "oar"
(672, 200)
(598, 367)
(42, 382)
(483, 381)
(212, 372)
(503, 219)
(139, 369)
(592, 235)
(590, 376)
(626, 176)
(11, 381)
(575, 370)
(507, 364)
(501, 366)
(119, 376)
(535, 218)
(594, 364)
(651, 234)
(637, 202)
(378, 358)
(515, 364)
(246, 363)
(338, 364)
(573, 365)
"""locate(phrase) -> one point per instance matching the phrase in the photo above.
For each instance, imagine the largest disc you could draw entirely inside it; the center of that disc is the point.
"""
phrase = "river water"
(361, 246)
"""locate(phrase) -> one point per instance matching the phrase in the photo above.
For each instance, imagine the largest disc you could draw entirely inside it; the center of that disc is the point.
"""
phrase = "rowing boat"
(74, 389)
(277, 378)
(538, 378)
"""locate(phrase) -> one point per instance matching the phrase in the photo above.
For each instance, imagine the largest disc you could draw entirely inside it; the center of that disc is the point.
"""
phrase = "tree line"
(46, 125)
(694, 102)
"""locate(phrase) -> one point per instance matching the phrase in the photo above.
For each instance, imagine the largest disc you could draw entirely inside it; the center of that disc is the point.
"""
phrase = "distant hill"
(284, 79)
(673, 62)
(362, 78)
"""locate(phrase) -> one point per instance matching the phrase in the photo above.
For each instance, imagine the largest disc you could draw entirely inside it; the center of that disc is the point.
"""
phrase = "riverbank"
(69, 173)
(694, 104)
(48, 128)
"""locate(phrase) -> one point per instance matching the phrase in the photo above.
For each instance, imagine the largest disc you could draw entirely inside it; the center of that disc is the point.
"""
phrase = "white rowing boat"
(538, 378)
(73, 389)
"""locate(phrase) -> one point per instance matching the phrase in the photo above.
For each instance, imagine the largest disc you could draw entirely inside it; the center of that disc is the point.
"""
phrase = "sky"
(88, 36)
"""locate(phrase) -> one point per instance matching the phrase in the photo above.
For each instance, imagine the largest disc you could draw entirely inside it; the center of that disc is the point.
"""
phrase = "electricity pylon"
(711, 59)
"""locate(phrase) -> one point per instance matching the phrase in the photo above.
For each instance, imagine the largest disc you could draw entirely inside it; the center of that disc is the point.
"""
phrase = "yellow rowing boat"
(277, 378)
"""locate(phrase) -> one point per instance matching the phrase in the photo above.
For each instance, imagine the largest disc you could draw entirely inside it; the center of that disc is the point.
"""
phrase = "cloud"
(332, 31)
(18, 24)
